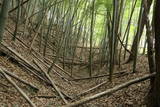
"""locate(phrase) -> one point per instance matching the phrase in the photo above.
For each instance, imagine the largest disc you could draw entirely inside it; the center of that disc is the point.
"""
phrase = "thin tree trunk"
(3, 17)
(139, 32)
(17, 21)
(91, 39)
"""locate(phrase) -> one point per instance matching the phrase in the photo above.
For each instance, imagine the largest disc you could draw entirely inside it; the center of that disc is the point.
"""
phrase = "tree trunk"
(139, 32)
(155, 92)
(3, 16)
(150, 46)
(91, 40)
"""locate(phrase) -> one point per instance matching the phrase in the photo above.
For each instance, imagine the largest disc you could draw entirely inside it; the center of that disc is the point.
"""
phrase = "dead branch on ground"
(110, 91)
(17, 88)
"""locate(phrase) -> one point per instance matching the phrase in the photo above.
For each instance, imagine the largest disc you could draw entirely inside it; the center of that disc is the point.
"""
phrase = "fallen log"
(47, 66)
(20, 80)
(4, 85)
(42, 96)
(91, 89)
(29, 67)
(104, 75)
(57, 66)
(52, 82)
(35, 74)
(110, 91)
(34, 51)
(17, 88)
(47, 82)
(22, 59)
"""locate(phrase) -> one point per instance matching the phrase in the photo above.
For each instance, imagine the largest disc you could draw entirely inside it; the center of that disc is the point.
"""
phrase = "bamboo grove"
(72, 33)
(90, 34)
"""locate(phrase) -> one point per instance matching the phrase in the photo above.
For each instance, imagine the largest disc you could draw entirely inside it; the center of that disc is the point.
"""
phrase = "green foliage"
(107, 4)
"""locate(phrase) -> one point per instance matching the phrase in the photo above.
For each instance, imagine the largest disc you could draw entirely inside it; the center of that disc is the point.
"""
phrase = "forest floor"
(133, 96)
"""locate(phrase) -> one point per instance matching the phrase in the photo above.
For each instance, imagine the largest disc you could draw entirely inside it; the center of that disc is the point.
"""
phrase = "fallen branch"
(47, 82)
(21, 60)
(29, 67)
(110, 91)
(27, 63)
(35, 52)
(47, 60)
(47, 66)
(91, 89)
(35, 74)
(4, 85)
(17, 88)
(47, 97)
(77, 79)
(20, 80)
(52, 82)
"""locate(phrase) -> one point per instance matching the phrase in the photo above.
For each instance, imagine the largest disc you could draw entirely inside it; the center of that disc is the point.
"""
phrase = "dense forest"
(79, 53)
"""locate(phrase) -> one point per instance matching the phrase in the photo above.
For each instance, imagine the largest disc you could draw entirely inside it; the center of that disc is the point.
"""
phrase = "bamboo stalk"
(52, 82)
(22, 81)
(17, 88)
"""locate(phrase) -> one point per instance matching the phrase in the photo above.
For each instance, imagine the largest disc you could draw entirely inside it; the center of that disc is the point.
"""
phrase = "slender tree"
(3, 16)
(140, 28)
(91, 38)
